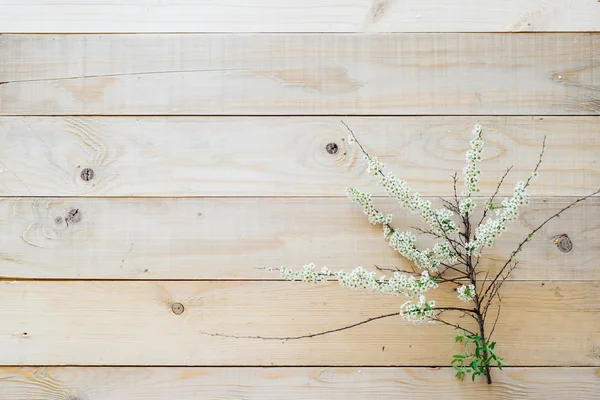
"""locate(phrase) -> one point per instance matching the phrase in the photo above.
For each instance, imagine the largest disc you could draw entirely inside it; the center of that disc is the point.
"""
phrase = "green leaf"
(473, 377)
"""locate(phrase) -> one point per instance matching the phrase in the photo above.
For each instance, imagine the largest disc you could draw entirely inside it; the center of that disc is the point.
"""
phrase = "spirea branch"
(452, 261)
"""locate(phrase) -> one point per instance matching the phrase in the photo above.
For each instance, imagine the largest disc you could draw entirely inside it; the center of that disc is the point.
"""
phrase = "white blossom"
(487, 233)
(444, 253)
(360, 278)
(466, 293)
(364, 199)
(466, 206)
(418, 312)
(471, 172)
(439, 220)
(402, 242)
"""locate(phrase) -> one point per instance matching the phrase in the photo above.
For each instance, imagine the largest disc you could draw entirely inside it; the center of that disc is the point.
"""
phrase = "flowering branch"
(499, 279)
(453, 259)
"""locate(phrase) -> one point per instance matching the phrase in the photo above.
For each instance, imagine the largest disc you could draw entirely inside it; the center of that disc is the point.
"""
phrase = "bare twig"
(438, 319)
(455, 181)
(464, 310)
(496, 320)
(449, 205)
(303, 336)
(495, 291)
(491, 200)
(396, 269)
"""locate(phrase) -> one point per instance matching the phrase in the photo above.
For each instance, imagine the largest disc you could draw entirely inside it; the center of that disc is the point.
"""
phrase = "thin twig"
(496, 320)
(465, 310)
(496, 286)
(357, 142)
(437, 235)
(491, 200)
(455, 181)
(396, 269)
(438, 319)
(449, 205)
(302, 336)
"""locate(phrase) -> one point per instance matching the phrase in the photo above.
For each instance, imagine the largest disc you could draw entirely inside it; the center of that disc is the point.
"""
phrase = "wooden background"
(205, 124)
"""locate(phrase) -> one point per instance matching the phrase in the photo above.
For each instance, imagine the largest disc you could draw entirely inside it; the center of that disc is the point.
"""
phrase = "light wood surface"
(293, 383)
(304, 74)
(226, 238)
(243, 156)
(298, 16)
(205, 124)
(549, 323)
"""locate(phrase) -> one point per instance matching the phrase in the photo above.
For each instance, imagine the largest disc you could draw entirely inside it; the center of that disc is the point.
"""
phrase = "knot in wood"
(87, 174)
(73, 216)
(177, 308)
(332, 148)
(564, 243)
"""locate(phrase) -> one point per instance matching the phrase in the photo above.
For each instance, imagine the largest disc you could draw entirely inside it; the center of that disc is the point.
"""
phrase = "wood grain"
(298, 16)
(222, 238)
(324, 383)
(243, 156)
(131, 323)
(304, 74)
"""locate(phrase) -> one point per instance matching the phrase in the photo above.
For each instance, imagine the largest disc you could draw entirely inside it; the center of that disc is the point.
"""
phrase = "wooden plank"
(242, 156)
(152, 383)
(131, 323)
(222, 238)
(253, 74)
(297, 16)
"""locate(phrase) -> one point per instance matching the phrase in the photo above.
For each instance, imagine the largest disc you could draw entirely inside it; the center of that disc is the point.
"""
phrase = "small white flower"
(419, 312)
(466, 293)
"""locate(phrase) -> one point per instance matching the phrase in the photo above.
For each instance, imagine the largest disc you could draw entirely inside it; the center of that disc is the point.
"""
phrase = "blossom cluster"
(402, 242)
(440, 220)
(418, 312)
(466, 205)
(471, 178)
(360, 278)
(364, 199)
(466, 293)
(487, 233)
